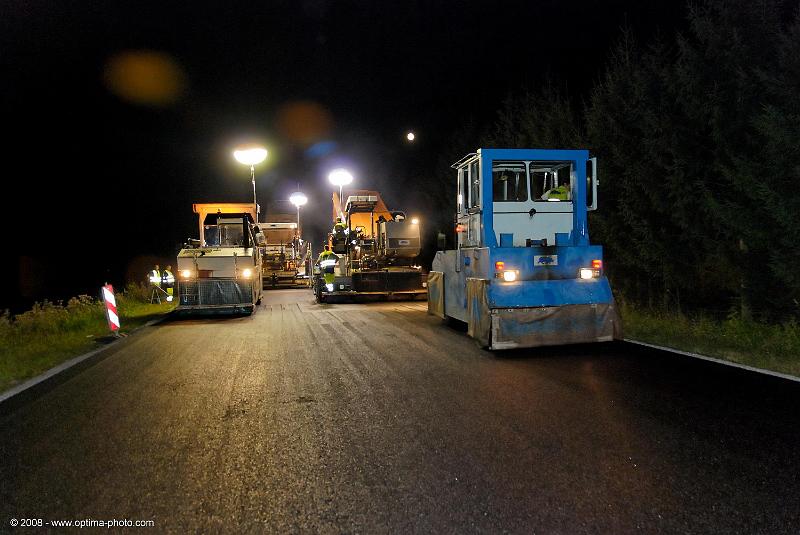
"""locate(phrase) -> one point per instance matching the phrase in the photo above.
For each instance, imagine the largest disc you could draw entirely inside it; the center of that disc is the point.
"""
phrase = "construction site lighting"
(415, 221)
(247, 273)
(298, 199)
(340, 177)
(250, 156)
(410, 136)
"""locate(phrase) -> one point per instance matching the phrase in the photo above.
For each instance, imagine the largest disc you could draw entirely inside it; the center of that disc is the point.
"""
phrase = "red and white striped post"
(111, 308)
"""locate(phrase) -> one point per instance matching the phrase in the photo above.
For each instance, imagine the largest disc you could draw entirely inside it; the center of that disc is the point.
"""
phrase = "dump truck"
(376, 251)
(221, 271)
(286, 257)
(523, 273)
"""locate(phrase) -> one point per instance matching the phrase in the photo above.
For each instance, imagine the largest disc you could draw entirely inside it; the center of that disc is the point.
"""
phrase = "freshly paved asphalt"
(365, 418)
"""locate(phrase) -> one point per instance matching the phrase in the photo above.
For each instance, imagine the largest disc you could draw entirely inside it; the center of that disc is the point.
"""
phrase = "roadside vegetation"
(763, 345)
(51, 333)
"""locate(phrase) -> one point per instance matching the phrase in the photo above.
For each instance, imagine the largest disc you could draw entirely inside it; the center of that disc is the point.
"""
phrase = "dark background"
(99, 185)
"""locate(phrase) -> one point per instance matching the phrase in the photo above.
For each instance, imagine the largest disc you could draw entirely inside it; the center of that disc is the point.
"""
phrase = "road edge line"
(21, 388)
(715, 360)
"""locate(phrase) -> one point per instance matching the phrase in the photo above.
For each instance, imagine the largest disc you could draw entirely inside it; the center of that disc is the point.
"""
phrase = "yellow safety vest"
(561, 193)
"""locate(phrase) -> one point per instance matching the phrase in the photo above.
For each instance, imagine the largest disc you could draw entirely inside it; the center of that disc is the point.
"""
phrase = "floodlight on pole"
(298, 199)
(340, 177)
(251, 156)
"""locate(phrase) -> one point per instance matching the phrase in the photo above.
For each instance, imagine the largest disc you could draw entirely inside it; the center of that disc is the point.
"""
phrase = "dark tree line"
(698, 137)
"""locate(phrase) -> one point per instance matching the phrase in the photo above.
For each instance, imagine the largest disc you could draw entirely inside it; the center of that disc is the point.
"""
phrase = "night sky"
(119, 115)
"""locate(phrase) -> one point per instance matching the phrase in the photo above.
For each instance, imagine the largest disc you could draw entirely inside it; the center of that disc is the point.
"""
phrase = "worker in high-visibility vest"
(155, 276)
(327, 262)
(560, 193)
(168, 282)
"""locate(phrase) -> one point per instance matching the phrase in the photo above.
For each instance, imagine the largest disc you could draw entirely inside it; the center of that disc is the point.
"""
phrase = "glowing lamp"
(252, 156)
(298, 199)
(340, 177)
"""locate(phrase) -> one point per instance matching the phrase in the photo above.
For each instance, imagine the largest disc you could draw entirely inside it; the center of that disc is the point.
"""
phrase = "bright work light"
(252, 156)
(340, 177)
(298, 199)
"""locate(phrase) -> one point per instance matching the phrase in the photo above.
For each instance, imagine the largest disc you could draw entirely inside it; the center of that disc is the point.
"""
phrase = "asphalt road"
(371, 418)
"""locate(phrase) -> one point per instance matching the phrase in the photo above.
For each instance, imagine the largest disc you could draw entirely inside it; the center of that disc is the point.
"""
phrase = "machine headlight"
(329, 287)
(586, 273)
(509, 276)
(186, 273)
(247, 273)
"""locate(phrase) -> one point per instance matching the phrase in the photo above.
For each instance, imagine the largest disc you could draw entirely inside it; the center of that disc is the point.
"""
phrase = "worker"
(155, 276)
(560, 193)
(339, 227)
(168, 282)
(327, 262)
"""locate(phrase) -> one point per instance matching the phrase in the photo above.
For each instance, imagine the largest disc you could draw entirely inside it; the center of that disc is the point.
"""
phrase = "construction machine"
(376, 251)
(286, 257)
(523, 273)
(221, 271)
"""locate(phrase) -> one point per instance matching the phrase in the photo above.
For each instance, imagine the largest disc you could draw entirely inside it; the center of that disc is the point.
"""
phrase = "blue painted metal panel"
(567, 260)
(455, 281)
(526, 294)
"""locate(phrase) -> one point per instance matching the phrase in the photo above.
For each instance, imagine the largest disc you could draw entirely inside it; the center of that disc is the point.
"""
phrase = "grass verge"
(51, 333)
(761, 345)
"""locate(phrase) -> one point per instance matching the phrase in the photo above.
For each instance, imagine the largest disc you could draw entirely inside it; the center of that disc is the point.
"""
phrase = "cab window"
(475, 181)
(551, 181)
(509, 182)
(463, 189)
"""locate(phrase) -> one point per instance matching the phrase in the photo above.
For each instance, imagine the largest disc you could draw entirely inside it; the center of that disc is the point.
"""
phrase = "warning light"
(461, 228)
(597, 264)
(499, 265)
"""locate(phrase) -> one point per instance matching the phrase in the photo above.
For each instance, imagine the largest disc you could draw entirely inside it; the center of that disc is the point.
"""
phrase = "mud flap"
(436, 293)
(479, 318)
(545, 326)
